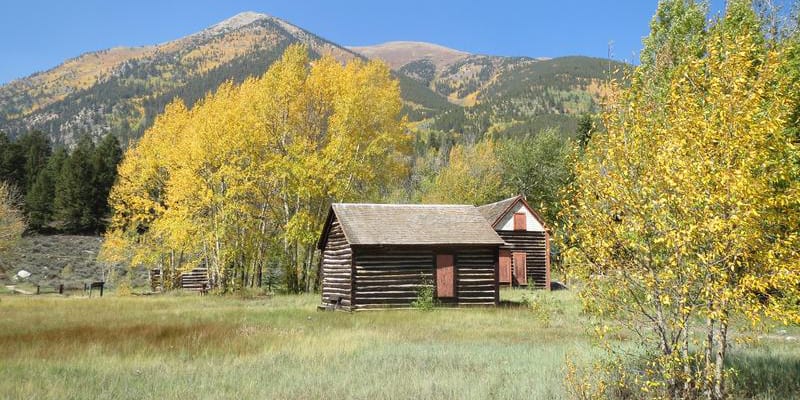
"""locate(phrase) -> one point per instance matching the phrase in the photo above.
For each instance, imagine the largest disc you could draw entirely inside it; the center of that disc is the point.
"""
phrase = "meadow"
(188, 346)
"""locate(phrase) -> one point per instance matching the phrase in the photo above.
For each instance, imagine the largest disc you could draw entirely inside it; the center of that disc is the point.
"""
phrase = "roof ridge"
(501, 201)
(403, 205)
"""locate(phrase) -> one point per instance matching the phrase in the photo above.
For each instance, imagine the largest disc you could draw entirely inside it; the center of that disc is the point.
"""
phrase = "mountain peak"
(237, 21)
(398, 53)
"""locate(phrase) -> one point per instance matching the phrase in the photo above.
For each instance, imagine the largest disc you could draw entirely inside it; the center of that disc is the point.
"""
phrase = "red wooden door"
(445, 275)
(504, 275)
(520, 268)
(520, 222)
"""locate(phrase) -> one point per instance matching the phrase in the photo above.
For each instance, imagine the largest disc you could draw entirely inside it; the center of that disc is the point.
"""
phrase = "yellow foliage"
(689, 205)
(472, 176)
(251, 163)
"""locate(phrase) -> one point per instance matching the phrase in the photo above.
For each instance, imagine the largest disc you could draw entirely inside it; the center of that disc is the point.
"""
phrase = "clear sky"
(36, 35)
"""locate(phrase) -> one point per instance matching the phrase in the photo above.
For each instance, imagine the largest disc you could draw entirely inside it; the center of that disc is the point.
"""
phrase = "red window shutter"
(445, 274)
(520, 222)
(520, 268)
(504, 274)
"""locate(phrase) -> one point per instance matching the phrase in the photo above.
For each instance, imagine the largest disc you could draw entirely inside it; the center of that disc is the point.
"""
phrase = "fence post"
(61, 289)
(101, 288)
(37, 289)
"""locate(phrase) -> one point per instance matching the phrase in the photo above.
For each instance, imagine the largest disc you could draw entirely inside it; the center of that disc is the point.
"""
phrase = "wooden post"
(61, 289)
(37, 289)
(102, 285)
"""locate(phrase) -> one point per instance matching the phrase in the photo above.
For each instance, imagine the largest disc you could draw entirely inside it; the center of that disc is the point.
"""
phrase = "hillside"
(70, 260)
(515, 95)
(121, 90)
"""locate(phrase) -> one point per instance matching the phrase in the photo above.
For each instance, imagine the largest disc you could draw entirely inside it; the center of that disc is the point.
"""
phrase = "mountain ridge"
(120, 90)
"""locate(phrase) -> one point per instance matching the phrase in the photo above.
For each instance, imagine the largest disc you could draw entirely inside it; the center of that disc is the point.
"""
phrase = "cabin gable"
(506, 221)
(524, 258)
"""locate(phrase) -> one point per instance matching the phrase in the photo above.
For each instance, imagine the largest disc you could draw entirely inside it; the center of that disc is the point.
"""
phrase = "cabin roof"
(495, 211)
(412, 224)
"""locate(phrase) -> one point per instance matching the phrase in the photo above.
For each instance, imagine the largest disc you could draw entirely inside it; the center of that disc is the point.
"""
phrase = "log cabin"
(524, 259)
(380, 255)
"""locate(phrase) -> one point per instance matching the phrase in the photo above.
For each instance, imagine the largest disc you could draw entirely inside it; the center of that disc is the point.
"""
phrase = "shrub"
(541, 305)
(124, 288)
(426, 300)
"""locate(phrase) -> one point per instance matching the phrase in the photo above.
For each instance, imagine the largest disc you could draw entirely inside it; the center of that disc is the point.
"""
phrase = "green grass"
(178, 347)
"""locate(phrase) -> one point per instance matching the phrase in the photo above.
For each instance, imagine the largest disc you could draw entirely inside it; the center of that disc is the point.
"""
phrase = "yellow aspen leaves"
(242, 180)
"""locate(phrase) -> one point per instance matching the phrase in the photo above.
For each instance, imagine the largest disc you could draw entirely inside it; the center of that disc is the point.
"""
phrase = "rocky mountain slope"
(501, 93)
(121, 90)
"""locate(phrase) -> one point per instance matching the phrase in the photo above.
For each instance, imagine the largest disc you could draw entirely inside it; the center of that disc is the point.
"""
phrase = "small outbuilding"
(380, 255)
(524, 259)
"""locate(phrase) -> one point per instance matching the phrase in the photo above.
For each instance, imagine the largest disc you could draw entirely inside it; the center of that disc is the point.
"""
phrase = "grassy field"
(179, 347)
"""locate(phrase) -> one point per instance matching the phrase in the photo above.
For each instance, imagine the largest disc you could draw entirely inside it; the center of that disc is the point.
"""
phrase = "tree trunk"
(687, 365)
(708, 356)
(719, 369)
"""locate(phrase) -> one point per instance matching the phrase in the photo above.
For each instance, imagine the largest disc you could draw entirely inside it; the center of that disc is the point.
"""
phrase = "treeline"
(60, 189)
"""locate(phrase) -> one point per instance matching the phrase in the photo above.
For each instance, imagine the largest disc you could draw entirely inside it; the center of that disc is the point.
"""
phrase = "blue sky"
(36, 35)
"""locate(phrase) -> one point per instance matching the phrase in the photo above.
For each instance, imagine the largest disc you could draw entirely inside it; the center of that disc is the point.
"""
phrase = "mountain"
(121, 90)
(501, 94)
(398, 54)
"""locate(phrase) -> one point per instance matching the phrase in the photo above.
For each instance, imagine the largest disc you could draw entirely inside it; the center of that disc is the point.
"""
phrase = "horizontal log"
(327, 278)
(398, 271)
(336, 265)
(336, 286)
(394, 261)
(411, 286)
(391, 280)
(340, 254)
(336, 271)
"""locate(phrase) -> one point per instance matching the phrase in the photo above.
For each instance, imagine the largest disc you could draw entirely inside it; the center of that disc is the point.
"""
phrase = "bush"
(124, 288)
(426, 300)
(542, 305)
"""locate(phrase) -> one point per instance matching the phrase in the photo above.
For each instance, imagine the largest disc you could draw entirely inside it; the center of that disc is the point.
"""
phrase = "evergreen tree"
(39, 200)
(538, 168)
(75, 193)
(12, 162)
(104, 164)
(35, 148)
(585, 129)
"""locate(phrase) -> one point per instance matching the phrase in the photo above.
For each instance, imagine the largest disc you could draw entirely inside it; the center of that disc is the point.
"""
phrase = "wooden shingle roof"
(412, 224)
(494, 211)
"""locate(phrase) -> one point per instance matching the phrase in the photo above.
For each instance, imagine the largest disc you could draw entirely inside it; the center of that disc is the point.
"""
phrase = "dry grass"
(177, 347)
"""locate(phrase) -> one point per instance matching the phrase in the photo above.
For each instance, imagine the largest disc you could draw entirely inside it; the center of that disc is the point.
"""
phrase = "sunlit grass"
(178, 347)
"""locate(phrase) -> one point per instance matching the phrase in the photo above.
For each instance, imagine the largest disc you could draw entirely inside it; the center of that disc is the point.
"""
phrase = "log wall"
(535, 247)
(336, 270)
(392, 277)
